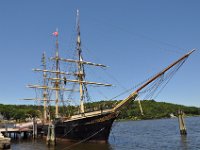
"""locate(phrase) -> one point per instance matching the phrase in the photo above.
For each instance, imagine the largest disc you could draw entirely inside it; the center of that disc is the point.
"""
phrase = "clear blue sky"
(135, 38)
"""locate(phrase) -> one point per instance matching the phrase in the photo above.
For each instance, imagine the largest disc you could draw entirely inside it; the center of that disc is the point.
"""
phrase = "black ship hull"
(94, 128)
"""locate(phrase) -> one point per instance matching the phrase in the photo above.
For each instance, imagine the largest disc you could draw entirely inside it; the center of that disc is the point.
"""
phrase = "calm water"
(138, 135)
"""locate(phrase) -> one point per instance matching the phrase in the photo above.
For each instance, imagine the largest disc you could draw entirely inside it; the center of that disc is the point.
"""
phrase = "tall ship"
(87, 125)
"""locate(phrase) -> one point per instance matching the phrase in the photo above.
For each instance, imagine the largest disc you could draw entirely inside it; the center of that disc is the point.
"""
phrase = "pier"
(16, 132)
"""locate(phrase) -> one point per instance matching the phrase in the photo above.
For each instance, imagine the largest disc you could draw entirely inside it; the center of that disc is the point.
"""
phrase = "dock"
(16, 132)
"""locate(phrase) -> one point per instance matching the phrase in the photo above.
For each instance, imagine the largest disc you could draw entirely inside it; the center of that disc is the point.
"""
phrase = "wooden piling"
(34, 128)
(181, 121)
(25, 135)
(51, 140)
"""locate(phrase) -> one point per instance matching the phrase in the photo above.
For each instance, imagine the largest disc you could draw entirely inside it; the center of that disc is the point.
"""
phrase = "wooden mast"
(44, 90)
(81, 73)
(57, 85)
(134, 94)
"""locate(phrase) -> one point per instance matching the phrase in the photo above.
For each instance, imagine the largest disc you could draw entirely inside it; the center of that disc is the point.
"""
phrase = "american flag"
(55, 33)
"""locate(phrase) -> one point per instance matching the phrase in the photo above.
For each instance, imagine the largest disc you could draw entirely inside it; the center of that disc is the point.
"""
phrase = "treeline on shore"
(151, 109)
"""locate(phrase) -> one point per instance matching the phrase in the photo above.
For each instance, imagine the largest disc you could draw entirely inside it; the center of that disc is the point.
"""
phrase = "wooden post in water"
(48, 134)
(34, 128)
(25, 135)
(181, 121)
(51, 140)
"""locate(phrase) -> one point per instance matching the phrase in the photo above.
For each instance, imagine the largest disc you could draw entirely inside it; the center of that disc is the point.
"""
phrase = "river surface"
(162, 134)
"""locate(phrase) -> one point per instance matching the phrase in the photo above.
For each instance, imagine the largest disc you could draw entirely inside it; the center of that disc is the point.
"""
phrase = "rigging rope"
(138, 35)
(170, 77)
(130, 89)
(161, 82)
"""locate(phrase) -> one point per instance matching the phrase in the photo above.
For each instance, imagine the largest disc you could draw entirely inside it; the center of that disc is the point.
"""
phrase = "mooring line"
(83, 140)
(67, 133)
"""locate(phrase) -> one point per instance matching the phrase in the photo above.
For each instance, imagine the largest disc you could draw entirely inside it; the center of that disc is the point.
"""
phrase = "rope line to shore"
(75, 144)
(68, 132)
